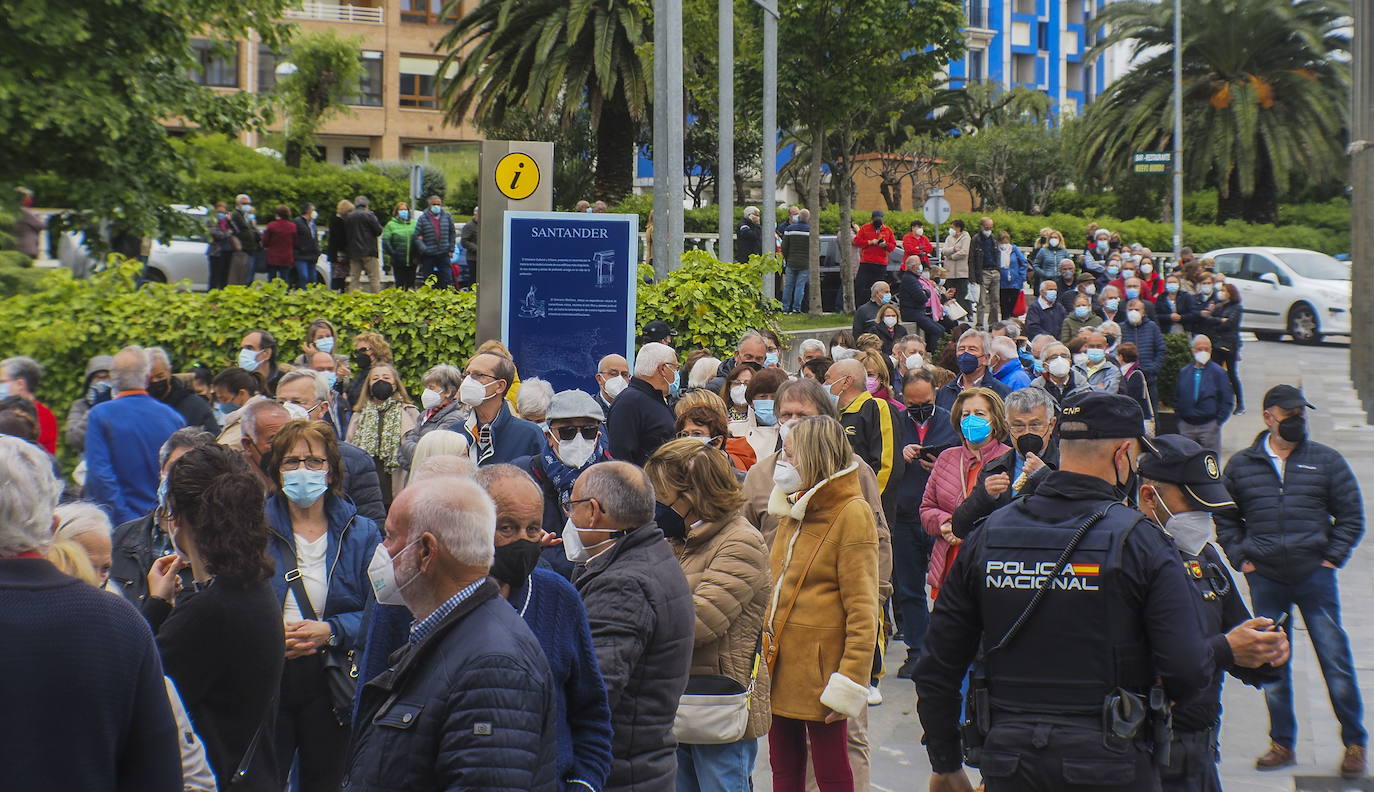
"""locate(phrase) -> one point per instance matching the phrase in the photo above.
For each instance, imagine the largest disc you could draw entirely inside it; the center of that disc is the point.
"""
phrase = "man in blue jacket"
(435, 235)
(1203, 398)
(123, 437)
(1298, 516)
(927, 431)
(493, 434)
(468, 702)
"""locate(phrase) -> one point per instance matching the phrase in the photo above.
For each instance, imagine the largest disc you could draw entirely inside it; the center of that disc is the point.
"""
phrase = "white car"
(1300, 293)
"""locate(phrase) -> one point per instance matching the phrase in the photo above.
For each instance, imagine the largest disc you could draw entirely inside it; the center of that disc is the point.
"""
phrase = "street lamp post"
(770, 130)
(725, 155)
(1178, 128)
(285, 69)
(668, 129)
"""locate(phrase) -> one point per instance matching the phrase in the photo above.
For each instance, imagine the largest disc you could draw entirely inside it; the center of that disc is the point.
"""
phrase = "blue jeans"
(1319, 600)
(716, 768)
(910, 560)
(794, 289)
(439, 267)
(303, 273)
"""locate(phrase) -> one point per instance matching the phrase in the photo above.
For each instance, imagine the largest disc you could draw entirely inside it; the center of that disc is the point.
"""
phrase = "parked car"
(1286, 291)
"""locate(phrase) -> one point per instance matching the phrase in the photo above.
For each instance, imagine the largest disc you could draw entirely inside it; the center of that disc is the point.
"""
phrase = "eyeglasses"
(479, 375)
(569, 432)
(294, 463)
(567, 502)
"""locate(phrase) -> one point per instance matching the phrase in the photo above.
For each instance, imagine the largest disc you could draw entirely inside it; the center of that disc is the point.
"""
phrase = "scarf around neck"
(379, 432)
(562, 476)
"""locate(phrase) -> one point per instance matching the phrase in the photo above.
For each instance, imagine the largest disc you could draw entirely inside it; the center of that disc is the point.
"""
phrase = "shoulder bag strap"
(294, 582)
(242, 770)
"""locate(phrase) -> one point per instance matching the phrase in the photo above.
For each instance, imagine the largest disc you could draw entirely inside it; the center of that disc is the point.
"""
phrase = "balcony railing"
(341, 12)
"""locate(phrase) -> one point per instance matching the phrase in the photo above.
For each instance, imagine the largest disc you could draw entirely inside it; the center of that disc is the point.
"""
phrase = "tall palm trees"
(548, 58)
(1264, 95)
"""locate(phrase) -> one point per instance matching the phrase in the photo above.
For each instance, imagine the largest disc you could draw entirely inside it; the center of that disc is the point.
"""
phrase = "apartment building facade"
(396, 112)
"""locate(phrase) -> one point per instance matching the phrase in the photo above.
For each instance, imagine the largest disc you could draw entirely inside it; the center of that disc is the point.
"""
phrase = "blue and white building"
(1037, 44)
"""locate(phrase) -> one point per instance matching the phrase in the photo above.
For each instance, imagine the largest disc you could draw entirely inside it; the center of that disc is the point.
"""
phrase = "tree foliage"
(1008, 166)
(328, 71)
(1265, 92)
(86, 84)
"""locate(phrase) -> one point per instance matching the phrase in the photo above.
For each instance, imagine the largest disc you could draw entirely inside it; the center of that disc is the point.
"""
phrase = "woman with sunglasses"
(321, 548)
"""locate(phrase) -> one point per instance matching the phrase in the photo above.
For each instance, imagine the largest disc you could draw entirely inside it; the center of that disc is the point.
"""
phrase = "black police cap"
(1287, 397)
(1174, 459)
(656, 330)
(1101, 416)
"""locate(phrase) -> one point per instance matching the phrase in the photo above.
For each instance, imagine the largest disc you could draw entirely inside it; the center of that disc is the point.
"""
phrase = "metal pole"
(1178, 128)
(1361, 151)
(667, 140)
(725, 156)
(770, 134)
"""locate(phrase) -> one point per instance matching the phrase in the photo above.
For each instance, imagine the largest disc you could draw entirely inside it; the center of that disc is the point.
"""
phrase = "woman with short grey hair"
(441, 408)
(534, 400)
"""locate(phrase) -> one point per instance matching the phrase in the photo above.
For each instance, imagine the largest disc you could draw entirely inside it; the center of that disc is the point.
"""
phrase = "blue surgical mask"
(404, 214)
(325, 344)
(1095, 356)
(1171, 288)
(887, 298)
(330, 378)
(303, 487)
(220, 215)
(1051, 296)
(1081, 311)
(436, 208)
(248, 360)
(1113, 271)
(770, 359)
(226, 407)
(673, 387)
(1132, 294)
(1111, 303)
(975, 428)
(763, 412)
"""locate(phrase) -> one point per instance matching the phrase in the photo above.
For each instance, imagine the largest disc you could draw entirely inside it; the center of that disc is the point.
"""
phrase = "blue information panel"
(569, 293)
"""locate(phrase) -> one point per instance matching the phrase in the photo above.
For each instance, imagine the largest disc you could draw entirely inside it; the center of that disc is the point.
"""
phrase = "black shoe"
(907, 668)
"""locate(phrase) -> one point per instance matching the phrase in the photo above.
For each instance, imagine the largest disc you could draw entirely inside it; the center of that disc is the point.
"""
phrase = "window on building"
(1042, 36)
(353, 154)
(1023, 68)
(216, 67)
(420, 82)
(267, 68)
(1073, 76)
(977, 71)
(370, 84)
(428, 12)
(1025, 7)
(977, 13)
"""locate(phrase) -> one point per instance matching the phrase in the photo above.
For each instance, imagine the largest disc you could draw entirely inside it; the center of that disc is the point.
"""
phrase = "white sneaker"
(875, 696)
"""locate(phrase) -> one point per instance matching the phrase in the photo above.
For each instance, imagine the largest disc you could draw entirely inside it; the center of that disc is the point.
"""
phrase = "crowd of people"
(303, 573)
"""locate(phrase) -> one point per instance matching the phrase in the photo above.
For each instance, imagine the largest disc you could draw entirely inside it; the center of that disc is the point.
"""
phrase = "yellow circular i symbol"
(517, 176)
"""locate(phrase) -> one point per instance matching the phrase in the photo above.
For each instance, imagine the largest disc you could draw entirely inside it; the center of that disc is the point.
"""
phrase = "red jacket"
(47, 427)
(913, 245)
(279, 238)
(874, 254)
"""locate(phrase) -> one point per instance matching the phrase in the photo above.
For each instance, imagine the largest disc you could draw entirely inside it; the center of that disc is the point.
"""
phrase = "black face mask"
(1293, 429)
(1129, 490)
(920, 413)
(670, 522)
(1030, 443)
(160, 390)
(363, 359)
(514, 562)
(381, 390)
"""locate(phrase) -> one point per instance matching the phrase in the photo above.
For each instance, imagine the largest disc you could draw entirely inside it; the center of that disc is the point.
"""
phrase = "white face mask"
(1146, 269)
(1058, 367)
(786, 477)
(1133, 317)
(737, 395)
(1202, 357)
(1191, 530)
(573, 549)
(784, 429)
(472, 392)
(890, 321)
(297, 412)
(382, 572)
(576, 451)
(836, 351)
(430, 398)
(614, 386)
(914, 362)
(1081, 359)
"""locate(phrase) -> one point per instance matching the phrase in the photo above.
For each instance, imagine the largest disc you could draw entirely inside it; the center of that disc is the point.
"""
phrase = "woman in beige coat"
(726, 564)
(822, 618)
(954, 255)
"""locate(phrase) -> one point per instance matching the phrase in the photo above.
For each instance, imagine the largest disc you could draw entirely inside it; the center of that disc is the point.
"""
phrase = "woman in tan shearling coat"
(822, 620)
(726, 565)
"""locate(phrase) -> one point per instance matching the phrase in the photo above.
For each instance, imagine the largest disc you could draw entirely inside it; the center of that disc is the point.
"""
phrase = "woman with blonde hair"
(437, 444)
(822, 620)
(383, 415)
(87, 526)
(725, 561)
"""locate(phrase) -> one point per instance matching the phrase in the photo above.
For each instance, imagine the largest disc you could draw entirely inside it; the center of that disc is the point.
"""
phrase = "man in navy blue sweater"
(88, 711)
(1203, 398)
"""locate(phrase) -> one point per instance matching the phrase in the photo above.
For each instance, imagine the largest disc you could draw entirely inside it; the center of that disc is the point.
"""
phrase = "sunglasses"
(569, 432)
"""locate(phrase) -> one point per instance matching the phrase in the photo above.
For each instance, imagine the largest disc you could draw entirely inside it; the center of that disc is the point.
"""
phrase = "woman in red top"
(279, 240)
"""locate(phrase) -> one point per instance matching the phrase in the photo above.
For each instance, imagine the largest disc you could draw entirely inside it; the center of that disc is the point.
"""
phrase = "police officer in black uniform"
(1180, 487)
(1073, 605)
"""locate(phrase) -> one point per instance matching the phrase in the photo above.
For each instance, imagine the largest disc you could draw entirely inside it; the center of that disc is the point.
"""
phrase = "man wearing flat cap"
(1069, 604)
(1180, 488)
(1298, 517)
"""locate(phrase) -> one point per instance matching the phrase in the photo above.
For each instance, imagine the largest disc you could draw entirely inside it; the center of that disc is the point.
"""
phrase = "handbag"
(340, 670)
(714, 709)
(955, 311)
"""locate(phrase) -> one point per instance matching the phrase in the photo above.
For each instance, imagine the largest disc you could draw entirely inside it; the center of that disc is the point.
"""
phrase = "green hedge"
(1178, 352)
(66, 321)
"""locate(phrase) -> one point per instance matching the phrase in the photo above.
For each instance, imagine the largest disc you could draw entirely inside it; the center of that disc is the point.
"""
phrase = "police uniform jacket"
(825, 557)
(945, 491)
(1122, 615)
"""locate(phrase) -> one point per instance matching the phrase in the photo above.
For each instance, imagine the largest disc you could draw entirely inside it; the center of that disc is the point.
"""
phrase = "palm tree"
(552, 58)
(1265, 86)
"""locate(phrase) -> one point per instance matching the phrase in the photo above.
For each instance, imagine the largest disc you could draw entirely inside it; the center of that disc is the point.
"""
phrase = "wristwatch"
(333, 639)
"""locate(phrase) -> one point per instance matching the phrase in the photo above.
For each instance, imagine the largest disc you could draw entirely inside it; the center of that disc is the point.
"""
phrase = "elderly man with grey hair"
(468, 702)
(810, 349)
(19, 376)
(974, 351)
(752, 350)
(80, 665)
(123, 436)
(640, 419)
(749, 237)
(866, 315)
(166, 388)
(261, 422)
(1032, 416)
(642, 617)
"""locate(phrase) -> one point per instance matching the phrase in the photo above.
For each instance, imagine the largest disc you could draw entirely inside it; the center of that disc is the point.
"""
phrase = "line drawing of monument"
(604, 262)
(533, 308)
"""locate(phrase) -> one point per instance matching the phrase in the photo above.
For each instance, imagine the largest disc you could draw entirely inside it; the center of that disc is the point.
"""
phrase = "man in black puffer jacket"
(1298, 516)
(642, 617)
